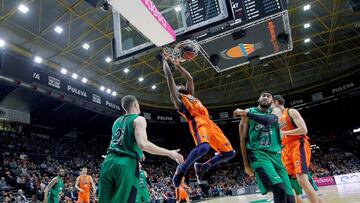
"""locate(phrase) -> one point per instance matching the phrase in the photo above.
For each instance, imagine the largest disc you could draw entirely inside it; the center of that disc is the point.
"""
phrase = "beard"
(264, 105)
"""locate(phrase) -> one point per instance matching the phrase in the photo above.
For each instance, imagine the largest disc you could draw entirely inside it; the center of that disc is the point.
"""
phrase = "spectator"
(20, 198)
(3, 183)
(23, 156)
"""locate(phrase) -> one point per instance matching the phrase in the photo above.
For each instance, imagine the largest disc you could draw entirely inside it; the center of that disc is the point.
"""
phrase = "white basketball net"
(174, 53)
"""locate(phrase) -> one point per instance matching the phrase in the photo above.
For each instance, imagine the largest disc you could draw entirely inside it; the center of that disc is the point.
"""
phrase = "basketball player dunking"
(296, 153)
(205, 132)
(83, 184)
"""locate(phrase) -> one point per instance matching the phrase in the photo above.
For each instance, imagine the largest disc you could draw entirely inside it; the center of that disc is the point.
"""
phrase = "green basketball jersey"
(57, 188)
(142, 182)
(123, 140)
(263, 137)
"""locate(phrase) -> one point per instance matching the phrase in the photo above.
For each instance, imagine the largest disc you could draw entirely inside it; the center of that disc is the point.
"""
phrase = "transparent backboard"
(186, 16)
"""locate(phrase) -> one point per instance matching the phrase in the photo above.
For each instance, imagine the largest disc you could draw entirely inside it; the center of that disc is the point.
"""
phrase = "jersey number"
(119, 136)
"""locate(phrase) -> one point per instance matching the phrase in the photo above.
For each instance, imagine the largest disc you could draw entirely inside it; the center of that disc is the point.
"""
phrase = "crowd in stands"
(335, 162)
(28, 163)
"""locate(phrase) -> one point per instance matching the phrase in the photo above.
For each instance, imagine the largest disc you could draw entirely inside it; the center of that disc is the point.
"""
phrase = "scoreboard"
(247, 11)
(201, 10)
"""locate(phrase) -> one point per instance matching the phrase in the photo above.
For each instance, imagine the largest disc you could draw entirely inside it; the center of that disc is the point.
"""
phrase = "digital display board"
(246, 11)
(202, 10)
(258, 41)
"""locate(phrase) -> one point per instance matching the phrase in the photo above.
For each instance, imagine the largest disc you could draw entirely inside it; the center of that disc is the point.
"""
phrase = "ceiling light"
(102, 88)
(2, 43)
(108, 59)
(126, 70)
(38, 59)
(86, 46)
(75, 76)
(84, 80)
(24, 9)
(63, 71)
(141, 79)
(114, 93)
(307, 40)
(177, 8)
(306, 7)
(306, 25)
(108, 91)
(58, 29)
(153, 87)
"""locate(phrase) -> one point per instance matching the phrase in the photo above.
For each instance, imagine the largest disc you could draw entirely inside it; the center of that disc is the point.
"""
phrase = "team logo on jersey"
(283, 124)
(205, 137)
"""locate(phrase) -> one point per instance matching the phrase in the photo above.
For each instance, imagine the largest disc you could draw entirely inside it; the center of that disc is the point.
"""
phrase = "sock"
(290, 199)
(217, 159)
(279, 193)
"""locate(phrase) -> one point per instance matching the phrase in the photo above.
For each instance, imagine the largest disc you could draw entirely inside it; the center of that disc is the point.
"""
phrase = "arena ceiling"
(333, 50)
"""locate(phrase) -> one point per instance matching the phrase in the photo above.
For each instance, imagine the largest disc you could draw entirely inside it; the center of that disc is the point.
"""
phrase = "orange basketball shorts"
(181, 194)
(205, 130)
(84, 197)
(296, 157)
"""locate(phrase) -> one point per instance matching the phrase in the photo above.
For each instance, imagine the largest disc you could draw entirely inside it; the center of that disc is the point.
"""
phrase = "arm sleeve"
(263, 119)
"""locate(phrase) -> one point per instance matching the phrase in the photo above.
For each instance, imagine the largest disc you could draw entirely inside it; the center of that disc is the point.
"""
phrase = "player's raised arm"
(171, 82)
(262, 119)
(190, 87)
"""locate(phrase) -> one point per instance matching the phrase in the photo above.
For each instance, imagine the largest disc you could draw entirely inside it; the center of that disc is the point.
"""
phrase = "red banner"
(325, 181)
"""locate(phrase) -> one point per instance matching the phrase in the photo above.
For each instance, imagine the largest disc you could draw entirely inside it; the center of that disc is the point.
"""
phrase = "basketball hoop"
(184, 51)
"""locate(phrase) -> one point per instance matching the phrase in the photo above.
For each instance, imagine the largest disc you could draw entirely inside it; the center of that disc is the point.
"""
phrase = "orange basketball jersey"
(84, 182)
(192, 107)
(287, 123)
(202, 128)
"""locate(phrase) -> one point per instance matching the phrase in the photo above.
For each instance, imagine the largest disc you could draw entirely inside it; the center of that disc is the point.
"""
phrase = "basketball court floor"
(347, 193)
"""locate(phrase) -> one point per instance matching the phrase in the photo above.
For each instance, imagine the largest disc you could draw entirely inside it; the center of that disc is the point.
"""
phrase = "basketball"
(188, 52)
